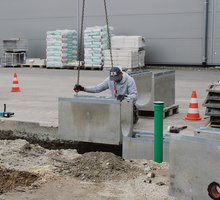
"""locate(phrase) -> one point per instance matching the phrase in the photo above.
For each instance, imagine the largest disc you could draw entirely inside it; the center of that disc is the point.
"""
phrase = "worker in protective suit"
(120, 84)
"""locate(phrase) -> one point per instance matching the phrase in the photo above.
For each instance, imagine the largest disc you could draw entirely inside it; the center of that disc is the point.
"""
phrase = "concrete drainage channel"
(194, 167)
(46, 138)
(92, 166)
(32, 151)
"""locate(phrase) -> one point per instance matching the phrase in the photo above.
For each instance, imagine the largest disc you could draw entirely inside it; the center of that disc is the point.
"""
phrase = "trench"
(12, 179)
(57, 144)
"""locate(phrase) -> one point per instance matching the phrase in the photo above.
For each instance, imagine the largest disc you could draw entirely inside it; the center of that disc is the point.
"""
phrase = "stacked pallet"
(95, 42)
(15, 45)
(14, 52)
(212, 104)
(61, 48)
(127, 52)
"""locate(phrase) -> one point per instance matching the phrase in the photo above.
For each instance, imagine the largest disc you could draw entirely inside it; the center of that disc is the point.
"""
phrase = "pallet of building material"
(127, 52)
(214, 122)
(212, 100)
(125, 58)
(168, 111)
(11, 66)
(127, 42)
(212, 104)
(71, 67)
(61, 48)
(33, 66)
(12, 59)
(15, 45)
(214, 88)
(212, 112)
(212, 97)
(94, 67)
(95, 42)
(35, 61)
(74, 65)
(215, 119)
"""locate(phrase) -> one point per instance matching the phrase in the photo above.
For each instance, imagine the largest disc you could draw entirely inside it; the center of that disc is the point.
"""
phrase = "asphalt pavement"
(41, 88)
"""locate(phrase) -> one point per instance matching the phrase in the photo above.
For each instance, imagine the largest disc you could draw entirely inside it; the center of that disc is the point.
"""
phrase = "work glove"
(78, 88)
(121, 97)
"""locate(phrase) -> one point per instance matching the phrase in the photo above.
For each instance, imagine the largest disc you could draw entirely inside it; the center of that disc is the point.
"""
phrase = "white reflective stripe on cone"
(193, 110)
(15, 85)
(193, 100)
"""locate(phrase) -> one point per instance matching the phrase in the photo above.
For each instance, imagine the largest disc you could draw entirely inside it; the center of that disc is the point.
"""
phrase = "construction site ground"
(30, 170)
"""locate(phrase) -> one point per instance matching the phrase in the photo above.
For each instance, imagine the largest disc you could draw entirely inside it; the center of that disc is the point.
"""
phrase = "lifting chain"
(81, 40)
(109, 37)
(109, 43)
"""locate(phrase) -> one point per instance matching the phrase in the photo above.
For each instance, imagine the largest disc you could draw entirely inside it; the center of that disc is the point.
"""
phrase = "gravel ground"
(65, 174)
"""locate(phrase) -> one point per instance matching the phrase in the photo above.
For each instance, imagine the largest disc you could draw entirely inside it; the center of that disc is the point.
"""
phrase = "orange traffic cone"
(193, 112)
(15, 87)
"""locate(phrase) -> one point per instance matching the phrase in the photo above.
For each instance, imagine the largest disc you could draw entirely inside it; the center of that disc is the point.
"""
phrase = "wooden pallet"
(12, 66)
(168, 111)
(33, 66)
(54, 68)
(82, 67)
(93, 68)
(214, 125)
(214, 122)
(74, 67)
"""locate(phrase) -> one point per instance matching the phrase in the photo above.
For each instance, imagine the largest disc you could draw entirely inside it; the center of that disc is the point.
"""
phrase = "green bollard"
(158, 131)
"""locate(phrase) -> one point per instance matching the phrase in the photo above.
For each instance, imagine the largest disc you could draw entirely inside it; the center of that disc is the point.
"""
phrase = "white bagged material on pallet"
(141, 58)
(127, 42)
(125, 58)
(95, 42)
(61, 48)
(127, 51)
(35, 61)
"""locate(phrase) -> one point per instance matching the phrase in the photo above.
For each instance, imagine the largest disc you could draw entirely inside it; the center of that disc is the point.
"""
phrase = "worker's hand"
(78, 88)
(121, 97)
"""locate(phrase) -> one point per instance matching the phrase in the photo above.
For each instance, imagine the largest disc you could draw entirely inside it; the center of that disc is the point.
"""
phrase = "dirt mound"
(10, 179)
(100, 166)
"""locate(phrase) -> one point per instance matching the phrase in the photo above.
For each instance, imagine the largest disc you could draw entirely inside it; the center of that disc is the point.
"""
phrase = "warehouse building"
(177, 32)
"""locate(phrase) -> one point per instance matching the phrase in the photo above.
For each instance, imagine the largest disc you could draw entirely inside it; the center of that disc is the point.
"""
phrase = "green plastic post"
(158, 131)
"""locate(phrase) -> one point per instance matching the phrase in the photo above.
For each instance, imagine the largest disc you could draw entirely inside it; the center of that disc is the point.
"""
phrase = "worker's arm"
(98, 88)
(132, 90)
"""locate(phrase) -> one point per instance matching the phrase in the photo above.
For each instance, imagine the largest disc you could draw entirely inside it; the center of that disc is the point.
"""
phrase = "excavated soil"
(100, 166)
(52, 174)
(11, 179)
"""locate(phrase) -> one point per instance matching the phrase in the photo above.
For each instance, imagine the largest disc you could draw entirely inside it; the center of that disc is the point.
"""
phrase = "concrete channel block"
(141, 146)
(167, 92)
(95, 119)
(194, 165)
(150, 90)
(143, 80)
